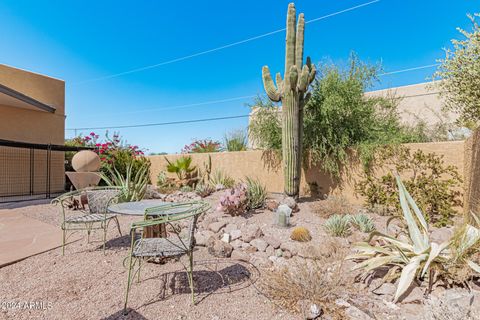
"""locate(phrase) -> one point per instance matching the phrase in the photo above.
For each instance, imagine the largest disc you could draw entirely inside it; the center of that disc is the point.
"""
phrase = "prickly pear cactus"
(292, 92)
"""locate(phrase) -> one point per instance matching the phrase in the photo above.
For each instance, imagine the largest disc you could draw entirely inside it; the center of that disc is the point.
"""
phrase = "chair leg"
(139, 267)
(104, 236)
(118, 226)
(190, 275)
(63, 241)
(129, 282)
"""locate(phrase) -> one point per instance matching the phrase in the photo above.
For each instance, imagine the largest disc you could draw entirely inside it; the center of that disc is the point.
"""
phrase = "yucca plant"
(256, 193)
(362, 222)
(338, 225)
(221, 179)
(134, 185)
(416, 256)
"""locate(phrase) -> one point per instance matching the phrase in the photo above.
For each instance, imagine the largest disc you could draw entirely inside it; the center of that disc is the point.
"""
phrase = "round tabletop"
(137, 208)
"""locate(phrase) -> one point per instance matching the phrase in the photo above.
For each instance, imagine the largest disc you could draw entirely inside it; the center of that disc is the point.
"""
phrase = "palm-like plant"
(182, 167)
(416, 256)
(134, 185)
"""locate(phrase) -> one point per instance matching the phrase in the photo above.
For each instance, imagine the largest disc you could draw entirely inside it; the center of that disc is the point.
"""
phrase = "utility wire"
(160, 123)
(410, 69)
(221, 47)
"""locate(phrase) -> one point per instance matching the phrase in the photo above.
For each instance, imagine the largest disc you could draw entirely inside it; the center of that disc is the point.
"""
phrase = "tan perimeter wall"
(266, 168)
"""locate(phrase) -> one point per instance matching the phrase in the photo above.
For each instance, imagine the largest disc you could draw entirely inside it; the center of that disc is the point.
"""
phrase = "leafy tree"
(338, 118)
(460, 74)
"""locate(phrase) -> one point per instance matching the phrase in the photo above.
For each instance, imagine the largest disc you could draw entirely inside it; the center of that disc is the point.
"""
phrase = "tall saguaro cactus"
(292, 92)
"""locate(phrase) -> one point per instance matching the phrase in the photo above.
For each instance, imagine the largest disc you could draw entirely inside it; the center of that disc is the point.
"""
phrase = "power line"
(221, 47)
(410, 69)
(159, 124)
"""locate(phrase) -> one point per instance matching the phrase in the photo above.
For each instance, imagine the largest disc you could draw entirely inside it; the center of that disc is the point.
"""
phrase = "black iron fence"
(31, 171)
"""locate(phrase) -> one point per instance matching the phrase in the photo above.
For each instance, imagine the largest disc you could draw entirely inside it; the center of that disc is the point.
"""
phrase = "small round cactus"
(300, 234)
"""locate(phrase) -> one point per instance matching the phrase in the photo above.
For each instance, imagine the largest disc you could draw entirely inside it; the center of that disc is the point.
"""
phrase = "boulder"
(236, 244)
(240, 255)
(271, 205)
(230, 227)
(387, 289)
(219, 249)
(289, 246)
(260, 259)
(270, 251)
(226, 238)
(250, 249)
(217, 226)
(251, 232)
(235, 234)
(291, 203)
(272, 241)
(260, 244)
(440, 235)
(202, 237)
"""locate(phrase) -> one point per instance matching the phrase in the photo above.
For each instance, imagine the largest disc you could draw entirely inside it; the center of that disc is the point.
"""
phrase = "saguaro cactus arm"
(290, 39)
(299, 41)
(272, 92)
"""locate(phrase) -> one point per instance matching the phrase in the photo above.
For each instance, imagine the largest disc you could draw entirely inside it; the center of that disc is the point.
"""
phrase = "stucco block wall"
(267, 168)
(34, 126)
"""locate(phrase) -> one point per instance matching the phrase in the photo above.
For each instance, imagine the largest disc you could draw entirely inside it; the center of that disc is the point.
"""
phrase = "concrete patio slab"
(22, 237)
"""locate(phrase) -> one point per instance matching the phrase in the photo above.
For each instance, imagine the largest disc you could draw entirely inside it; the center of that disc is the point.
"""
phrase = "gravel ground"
(86, 284)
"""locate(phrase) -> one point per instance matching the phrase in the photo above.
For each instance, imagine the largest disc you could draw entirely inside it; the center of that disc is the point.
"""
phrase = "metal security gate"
(32, 171)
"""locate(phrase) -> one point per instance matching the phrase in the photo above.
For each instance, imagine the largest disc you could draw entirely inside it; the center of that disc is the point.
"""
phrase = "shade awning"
(11, 97)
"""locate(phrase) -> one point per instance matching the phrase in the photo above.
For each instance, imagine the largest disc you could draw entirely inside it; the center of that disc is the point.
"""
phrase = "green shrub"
(338, 225)
(236, 141)
(256, 193)
(434, 185)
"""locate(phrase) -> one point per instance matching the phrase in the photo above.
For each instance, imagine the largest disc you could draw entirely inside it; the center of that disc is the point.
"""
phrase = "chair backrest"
(99, 199)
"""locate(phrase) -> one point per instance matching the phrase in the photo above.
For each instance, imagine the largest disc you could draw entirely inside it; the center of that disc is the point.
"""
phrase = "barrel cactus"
(292, 91)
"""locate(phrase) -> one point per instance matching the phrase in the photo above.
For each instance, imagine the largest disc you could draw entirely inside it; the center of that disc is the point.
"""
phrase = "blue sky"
(84, 40)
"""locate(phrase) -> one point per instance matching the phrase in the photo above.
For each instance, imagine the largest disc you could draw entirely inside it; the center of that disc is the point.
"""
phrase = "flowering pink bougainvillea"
(202, 146)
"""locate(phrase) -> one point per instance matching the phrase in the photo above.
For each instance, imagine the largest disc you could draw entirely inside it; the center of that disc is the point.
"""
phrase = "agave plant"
(415, 255)
(338, 225)
(362, 222)
(220, 180)
(256, 193)
(134, 185)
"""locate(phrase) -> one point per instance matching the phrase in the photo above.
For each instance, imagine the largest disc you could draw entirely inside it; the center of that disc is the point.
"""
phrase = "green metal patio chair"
(173, 245)
(95, 217)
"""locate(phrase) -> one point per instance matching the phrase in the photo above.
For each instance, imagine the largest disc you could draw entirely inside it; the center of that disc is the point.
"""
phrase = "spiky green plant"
(220, 178)
(292, 92)
(338, 225)
(182, 167)
(236, 141)
(416, 256)
(256, 193)
(204, 189)
(362, 222)
(134, 185)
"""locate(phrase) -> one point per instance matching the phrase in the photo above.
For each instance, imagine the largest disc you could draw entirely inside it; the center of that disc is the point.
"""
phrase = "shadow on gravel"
(210, 277)
(132, 314)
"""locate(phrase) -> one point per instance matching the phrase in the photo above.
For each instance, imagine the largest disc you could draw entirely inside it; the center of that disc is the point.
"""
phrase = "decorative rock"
(240, 255)
(441, 234)
(310, 252)
(260, 244)
(314, 312)
(270, 251)
(251, 232)
(230, 227)
(271, 205)
(274, 242)
(217, 226)
(289, 246)
(260, 259)
(386, 289)
(415, 295)
(152, 193)
(287, 254)
(202, 237)
(236, 244)
(291, 203)
(251, 249)
(246, 245)
(220, 249)
(226, 238)
(235, 234)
